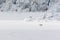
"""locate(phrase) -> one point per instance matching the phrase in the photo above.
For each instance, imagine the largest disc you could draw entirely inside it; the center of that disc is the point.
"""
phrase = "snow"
(32, 20)
(28, 26)
(23, 5)
(22, 30)
(29, 20)
(29, 35)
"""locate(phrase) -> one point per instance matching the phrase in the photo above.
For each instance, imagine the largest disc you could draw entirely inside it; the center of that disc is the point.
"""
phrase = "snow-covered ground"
(29, 19)
(20, 15)
(29, 26)
(22, 30)
(29, 35)
(18, 26)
